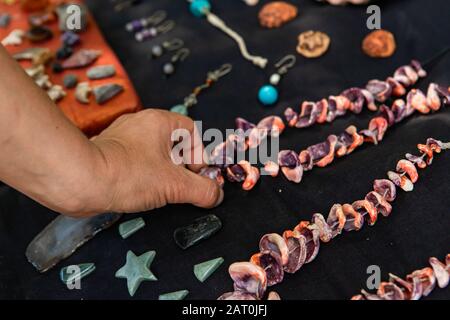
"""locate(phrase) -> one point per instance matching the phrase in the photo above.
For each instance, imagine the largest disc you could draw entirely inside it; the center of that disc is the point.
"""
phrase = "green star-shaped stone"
(136, 270)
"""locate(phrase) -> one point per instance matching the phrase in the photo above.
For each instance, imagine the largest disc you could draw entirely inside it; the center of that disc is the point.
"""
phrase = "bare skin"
(127, 168)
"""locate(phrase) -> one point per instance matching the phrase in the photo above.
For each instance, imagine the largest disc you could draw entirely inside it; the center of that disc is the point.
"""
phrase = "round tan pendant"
(313, 44)
(379, 44)
(276, 13)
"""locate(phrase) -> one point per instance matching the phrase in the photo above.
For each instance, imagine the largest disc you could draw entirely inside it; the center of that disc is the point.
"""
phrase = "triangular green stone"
(177, 295)
(203, 270)
(70, 273)
(128, 228)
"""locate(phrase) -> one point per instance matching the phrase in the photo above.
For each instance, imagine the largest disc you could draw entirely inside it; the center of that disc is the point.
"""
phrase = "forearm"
(42, 154)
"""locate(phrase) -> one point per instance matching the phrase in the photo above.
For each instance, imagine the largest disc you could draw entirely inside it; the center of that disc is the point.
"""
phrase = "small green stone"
(128, 228)
(136, 270)
(177, 295)
(67, 274)
(180, 108)
(203, 270)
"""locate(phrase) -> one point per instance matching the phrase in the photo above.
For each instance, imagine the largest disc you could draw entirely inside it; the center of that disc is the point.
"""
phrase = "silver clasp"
(173, 44)
(222, 71)
(180, 55)
(285, 63)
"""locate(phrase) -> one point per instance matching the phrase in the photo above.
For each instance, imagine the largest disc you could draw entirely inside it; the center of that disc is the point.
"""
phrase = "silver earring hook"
(180, 55)
(124, 4)
(173, 44)
(166, 26)
(157, 17)
(285, 63)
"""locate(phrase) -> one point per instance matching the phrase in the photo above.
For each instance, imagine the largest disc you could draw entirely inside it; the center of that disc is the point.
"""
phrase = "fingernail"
(220, 199)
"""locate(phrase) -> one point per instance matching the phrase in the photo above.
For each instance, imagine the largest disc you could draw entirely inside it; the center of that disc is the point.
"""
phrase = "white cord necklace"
(202, 8)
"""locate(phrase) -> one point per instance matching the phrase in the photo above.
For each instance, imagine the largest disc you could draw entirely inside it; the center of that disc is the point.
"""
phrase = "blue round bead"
(268, 95)
(199, 7)
(180, 108)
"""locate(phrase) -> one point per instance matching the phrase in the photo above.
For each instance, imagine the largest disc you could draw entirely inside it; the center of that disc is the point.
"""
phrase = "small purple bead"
(136, 24)
(70, 38)
(146, 33)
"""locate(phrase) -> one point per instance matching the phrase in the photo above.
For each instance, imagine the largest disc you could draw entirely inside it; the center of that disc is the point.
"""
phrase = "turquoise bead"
(199, 7)
(268, 95)
(180, 108)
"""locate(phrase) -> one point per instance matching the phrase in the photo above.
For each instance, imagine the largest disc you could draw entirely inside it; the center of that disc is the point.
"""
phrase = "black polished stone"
(201, 229)
(39, 34)
(64, 52)
(56, 67)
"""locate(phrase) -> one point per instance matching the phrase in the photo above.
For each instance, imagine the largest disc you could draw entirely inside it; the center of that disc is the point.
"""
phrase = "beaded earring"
(268, 94)
(191, 100)
(179, 56)
(152, 32)
(139, 24)
(159, 49)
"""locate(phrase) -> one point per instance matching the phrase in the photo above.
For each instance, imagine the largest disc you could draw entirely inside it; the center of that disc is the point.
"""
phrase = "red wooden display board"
(90, 118)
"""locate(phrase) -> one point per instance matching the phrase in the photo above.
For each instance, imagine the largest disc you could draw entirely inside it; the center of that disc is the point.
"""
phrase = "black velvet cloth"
(417, 229)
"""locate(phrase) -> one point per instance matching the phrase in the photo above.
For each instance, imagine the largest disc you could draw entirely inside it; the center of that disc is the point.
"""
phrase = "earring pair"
(150, 27)
(167, 46)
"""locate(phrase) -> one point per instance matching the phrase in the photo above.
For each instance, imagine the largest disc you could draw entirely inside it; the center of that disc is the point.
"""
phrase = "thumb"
(197, 190)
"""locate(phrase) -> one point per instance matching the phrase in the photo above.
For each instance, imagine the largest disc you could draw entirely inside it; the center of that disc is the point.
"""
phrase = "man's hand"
(127, 168)
(135, 152)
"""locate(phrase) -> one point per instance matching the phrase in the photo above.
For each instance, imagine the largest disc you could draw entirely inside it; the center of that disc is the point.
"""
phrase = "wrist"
(107, 173)
(89, 186)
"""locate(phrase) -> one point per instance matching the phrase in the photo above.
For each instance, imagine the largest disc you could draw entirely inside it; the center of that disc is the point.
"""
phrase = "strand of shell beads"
(294, 248)
(417, 284)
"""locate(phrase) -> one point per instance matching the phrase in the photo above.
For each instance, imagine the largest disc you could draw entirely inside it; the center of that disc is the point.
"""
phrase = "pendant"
(268, 94)
(202, 8)
(180, 108)
(191, 99)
